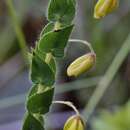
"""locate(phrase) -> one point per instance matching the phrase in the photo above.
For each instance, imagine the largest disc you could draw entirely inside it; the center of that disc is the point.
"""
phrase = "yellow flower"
(104, 7)
(81, 64)
(74, 123)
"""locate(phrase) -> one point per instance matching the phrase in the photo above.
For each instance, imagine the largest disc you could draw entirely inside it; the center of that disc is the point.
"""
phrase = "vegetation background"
(106, 36)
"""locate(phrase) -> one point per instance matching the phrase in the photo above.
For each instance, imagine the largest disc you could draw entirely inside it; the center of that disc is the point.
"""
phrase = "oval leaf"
(31, 123)
(62, 11)
(55, 40)
(41, 73)
(40, 103)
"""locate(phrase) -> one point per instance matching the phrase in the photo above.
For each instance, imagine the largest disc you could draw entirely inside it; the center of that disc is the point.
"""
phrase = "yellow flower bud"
(81, 64)
(74, 123)
(104, 7)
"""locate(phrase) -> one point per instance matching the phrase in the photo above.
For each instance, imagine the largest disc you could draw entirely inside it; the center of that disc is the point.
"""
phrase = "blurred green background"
(106, 36)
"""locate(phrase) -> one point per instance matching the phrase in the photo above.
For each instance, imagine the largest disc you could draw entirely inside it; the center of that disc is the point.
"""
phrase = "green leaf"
(62, 11)
(39, 117)
(33, 90)
(58, 52)
(31, 123)
(41, 73)
(49, 27)
(55, 40)
(40, 103)
(52, 65)
(42, 55)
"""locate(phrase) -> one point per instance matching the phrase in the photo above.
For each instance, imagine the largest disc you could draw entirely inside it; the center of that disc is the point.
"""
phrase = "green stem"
(107, 79)
(18, 30)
